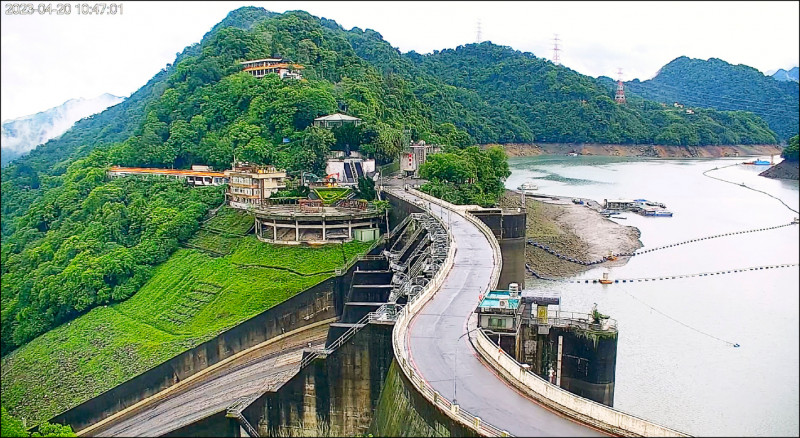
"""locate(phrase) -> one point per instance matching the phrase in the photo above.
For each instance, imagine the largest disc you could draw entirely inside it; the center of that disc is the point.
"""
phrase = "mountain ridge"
(22, 134)
(715, 83)
(787, 75)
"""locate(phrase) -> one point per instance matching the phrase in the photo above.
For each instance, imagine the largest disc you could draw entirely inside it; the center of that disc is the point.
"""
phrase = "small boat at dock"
(527, 187)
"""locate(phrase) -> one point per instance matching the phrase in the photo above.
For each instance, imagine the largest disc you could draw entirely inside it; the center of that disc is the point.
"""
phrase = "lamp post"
(455, 361)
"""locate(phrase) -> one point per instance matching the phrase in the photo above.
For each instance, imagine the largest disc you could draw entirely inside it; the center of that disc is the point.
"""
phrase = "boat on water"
(664, 213)
(758, 162)
(528, 187)
(605, 279)
(573, 154)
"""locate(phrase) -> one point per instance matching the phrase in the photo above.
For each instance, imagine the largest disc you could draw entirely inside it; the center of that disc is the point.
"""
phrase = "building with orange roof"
(197, 176)
(261, 67)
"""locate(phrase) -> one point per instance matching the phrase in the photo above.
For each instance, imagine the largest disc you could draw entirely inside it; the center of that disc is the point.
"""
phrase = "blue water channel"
(687, 375)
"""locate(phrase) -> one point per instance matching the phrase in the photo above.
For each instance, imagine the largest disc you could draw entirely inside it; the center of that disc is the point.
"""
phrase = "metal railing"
(573, 406)
(575, 319)
(356, 259)
(401, 351)
(386, 312)
(337, 343)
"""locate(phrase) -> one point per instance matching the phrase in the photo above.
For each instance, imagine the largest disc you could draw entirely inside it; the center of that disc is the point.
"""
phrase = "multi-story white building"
(250, 184)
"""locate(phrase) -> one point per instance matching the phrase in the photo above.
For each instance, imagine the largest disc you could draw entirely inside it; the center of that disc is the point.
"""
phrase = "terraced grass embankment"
(193, 296)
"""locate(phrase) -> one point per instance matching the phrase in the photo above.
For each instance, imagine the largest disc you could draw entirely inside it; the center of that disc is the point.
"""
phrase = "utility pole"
(478, 34)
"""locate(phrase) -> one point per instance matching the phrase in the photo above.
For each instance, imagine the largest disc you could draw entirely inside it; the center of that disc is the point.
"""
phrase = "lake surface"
(686, 375)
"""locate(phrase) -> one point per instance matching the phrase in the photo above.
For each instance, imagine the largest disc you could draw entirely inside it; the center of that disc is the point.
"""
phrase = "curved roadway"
(433, 339)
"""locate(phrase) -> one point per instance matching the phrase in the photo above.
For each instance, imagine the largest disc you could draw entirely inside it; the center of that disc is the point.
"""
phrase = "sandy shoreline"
(654, 151)
(577, 231)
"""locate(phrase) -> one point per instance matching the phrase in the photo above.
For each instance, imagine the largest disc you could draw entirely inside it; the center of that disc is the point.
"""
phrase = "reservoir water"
(682, 371)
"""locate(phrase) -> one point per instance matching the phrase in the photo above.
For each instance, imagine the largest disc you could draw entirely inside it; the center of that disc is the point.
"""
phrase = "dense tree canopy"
(717, 84)
(791, 152)
(467, 176)
(91, 241)
(535, 100)
(72, 239)
(14, 427)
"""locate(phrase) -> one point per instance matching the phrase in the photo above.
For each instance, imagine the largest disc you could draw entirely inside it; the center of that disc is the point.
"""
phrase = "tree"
(13, 427)
(466, 176)
(314, 147)
(790, 153)
(366, 188)
(348, 137)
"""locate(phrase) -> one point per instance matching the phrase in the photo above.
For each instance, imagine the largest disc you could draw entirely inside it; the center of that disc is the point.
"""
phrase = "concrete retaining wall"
(318, 303)
(333, 396)
(403, 412)
(571, 405)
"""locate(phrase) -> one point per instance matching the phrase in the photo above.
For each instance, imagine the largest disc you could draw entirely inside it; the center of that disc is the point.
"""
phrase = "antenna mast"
(478, 34)
(556, 61)
(620, 96)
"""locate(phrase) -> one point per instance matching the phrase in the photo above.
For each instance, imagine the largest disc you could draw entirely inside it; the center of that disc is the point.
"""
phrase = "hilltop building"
(414, 157)
(197, 176)
(261, 67)
(348, 169)
(251, 184)
(334, 120)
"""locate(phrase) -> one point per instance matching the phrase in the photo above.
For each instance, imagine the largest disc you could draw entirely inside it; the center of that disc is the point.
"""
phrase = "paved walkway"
(433, 339)
(248, 377)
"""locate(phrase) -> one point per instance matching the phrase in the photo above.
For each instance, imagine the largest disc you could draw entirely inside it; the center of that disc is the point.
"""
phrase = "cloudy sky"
(47, 60)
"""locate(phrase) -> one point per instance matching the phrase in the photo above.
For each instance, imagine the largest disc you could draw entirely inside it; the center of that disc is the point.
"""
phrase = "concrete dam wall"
(318, 303)
(332, 396)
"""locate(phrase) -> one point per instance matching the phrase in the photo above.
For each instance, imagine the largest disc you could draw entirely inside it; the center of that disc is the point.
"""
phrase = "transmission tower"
(620, 96)
(478, 34)
(556, 61)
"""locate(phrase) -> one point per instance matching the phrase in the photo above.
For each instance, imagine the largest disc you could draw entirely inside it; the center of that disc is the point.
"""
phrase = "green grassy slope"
(191, 298)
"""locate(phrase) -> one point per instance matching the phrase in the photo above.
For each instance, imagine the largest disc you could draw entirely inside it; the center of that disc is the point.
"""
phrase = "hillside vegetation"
(792, 150)
(723, 86)
(500, 95)
(190, 298)
(73, 240)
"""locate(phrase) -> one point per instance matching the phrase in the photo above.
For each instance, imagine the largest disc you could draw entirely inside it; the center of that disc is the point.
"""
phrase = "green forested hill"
(557, 104)
(73, 240)
(723, 86)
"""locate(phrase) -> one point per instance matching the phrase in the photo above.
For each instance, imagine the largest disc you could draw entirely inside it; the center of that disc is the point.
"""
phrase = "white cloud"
(21, 135)
(48, 60)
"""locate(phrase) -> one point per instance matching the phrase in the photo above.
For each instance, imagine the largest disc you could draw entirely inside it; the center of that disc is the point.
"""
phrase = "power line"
(747, 187)
(733, 344)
